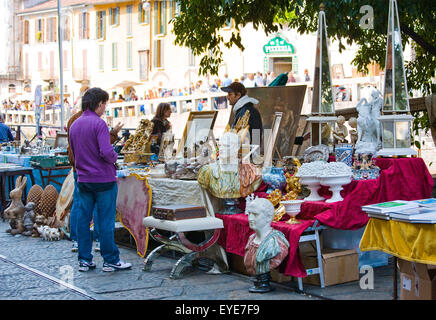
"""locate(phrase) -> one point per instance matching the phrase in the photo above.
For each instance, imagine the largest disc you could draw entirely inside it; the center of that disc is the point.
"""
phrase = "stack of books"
(383, 210)
(416, 211)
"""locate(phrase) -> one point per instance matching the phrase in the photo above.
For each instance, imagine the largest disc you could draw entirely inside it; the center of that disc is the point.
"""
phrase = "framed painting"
(198, 129)
(61, 140)
(286, 99)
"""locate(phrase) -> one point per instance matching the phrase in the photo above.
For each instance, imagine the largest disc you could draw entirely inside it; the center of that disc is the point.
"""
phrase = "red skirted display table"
(402, 178)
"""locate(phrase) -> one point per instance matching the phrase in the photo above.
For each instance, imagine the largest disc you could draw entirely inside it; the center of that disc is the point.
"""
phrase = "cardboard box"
(339, 266)
(417, 281)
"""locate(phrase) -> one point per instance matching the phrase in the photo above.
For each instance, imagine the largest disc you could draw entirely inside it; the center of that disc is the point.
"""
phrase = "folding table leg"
(300, 284)
(319, 257)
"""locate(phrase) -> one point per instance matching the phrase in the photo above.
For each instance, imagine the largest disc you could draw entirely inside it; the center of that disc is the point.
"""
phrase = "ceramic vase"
(313, 184)
(335, 184)
(274, 177)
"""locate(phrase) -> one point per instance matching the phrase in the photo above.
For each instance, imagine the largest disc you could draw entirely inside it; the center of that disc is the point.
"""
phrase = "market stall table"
(415, 242)
(403, 178)
(51, 178)
(11, 171)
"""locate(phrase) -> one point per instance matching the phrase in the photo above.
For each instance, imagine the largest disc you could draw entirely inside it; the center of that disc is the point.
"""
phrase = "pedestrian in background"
(96, 176)
(5, 131)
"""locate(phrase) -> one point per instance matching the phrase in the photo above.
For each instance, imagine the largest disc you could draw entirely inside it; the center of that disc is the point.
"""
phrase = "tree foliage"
(200, 21)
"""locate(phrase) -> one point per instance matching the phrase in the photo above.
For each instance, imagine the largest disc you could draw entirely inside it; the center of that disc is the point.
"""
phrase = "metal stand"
(178, 242)
(313, 234)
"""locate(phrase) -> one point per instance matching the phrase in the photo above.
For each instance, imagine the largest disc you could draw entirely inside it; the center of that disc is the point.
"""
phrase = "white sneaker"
(121, 265)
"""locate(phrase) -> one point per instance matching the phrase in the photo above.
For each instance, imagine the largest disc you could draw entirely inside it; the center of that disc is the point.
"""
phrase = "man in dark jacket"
(237, 96)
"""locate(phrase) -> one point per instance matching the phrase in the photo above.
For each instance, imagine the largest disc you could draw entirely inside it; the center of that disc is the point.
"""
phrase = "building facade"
(107, 42)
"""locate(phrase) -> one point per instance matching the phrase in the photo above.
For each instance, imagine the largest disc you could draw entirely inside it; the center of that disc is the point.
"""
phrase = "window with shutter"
(114, 16)
(143, 65)
(39, 29)
(101, 24)
(101, 57)
(160, 20)
(158, 61)
(65, 60)
(114, 55)
(129, 20)
(39, 61)
(84, 26)
(129, 54)
(26, 32)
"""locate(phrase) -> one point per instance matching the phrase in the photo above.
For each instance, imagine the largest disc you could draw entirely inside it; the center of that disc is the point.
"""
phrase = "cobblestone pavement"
(34, 269)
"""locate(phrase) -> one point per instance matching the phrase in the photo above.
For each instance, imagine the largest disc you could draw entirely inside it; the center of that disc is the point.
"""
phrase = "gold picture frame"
(61, 140)
(272, 140)
(198, 123)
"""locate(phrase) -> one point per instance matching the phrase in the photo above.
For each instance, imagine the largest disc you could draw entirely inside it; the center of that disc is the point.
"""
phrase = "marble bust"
(266, 247)
(228, 177)
(368, 126)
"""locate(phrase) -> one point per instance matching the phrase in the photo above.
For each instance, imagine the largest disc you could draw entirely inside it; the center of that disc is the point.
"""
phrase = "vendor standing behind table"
(160, 120)
(5, 131)
(97, 182)
(237, 96)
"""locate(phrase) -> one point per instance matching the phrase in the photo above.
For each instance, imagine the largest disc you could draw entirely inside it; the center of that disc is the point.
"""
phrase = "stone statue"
(353, 132)
(368, 126)
(266, 247)
(341, 132)
(228, 177)
(29, 219)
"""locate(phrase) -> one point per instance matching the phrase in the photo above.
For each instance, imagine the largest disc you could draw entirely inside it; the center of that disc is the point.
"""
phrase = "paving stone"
(145, 294)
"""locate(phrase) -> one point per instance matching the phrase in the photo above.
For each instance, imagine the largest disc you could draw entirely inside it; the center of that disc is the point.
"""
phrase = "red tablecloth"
(400, 179)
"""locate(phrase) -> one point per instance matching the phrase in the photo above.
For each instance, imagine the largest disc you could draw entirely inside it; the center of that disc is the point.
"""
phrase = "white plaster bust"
(228, 151)
(260, 215)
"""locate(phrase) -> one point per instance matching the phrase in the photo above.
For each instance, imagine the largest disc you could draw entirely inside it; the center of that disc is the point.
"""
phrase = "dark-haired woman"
(160, 120)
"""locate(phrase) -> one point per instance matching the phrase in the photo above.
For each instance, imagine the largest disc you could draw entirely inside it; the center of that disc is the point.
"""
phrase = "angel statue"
(368, 125)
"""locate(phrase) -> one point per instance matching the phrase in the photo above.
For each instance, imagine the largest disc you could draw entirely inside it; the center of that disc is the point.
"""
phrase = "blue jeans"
(74, 213)
(105, 201)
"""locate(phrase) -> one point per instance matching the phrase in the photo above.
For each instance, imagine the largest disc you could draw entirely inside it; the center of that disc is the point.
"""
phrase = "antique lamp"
(396, 119)
(322, 118)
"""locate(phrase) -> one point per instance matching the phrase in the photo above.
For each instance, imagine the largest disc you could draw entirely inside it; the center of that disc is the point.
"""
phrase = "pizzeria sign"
(278, 45)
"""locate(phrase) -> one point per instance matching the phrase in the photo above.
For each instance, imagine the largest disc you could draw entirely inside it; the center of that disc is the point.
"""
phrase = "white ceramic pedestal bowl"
(313, 184)
(292, 208)
(335, 184)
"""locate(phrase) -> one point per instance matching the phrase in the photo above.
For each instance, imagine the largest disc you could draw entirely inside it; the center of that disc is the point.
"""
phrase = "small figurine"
(353, 132)
(40, 220)
(341, 131)
(29, 218)
(15, 211)
(266, 248)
